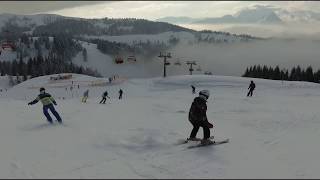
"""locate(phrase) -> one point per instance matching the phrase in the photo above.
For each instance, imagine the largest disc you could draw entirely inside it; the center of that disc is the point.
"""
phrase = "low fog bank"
(233, 59)
(288, 30)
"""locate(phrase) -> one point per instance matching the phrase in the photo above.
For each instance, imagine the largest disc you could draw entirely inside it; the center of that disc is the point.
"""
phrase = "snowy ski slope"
(272, 135)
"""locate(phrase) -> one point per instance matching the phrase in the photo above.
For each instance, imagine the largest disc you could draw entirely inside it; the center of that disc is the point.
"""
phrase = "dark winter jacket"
(86, 93)
(105, 94)
(198, 110)
(252, 86)
(45, 99)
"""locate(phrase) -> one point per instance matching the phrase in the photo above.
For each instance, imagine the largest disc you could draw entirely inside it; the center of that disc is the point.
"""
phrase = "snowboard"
(185, 141)
(215, 143)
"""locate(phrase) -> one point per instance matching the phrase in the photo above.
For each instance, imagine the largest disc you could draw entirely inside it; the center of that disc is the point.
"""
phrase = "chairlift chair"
(131, 58)
(118, 60)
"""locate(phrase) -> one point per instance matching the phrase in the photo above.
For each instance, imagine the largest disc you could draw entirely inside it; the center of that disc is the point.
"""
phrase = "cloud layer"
(33, 7)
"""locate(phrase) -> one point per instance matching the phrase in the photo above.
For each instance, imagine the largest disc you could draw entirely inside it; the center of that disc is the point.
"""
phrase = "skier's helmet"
(42, 89)
(205, 93)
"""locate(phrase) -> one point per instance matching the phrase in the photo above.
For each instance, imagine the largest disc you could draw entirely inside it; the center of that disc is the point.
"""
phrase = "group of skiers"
(104, 96)
(197, 113)
(48, 102)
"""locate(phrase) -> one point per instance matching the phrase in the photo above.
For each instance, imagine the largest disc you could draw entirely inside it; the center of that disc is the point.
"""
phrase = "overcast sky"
(145, 9)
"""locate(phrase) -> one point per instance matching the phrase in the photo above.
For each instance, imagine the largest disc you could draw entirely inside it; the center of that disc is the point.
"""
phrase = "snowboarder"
(85, 96)
(120, 93)
(251, 88)
(47, 100)
(198, 117)
(104, 95)
(193, 89)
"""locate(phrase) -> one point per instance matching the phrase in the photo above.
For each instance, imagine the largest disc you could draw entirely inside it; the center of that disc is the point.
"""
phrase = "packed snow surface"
(273, 134)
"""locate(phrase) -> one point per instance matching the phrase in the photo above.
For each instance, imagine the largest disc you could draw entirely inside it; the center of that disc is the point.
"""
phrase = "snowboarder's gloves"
(29, 104)
(210, 125)
(55, 103)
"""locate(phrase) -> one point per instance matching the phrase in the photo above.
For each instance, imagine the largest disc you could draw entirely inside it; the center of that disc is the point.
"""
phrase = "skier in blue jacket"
(47, 100)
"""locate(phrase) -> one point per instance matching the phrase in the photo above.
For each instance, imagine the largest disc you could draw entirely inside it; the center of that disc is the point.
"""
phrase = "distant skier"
(193, 89)
(47, 100)
(120, 93)
(251, 87)
(85, 96)
(198, 117)
(104, 95)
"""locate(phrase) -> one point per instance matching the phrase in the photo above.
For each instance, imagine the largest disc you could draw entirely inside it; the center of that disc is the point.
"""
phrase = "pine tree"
(298, 73)
(254, 71)
(309, 74)
(246, 73)
(286, 75)
(14, 68)
(317, 76)
(293, 74)
(85, 56)
(270, 72)
(276, 73)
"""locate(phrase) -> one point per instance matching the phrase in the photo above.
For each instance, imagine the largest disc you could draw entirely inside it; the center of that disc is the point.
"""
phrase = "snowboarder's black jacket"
(252, 86)
(198, 110)
(105, 94)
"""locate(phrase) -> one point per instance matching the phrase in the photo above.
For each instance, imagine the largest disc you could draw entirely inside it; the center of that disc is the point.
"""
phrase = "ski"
(185, 141)
(215, 143)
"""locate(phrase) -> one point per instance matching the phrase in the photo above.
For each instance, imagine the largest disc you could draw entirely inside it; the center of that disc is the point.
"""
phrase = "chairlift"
(8, 45)
(118, 60)
(131, 58)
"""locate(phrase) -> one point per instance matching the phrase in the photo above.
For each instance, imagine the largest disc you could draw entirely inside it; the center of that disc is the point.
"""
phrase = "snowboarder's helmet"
(42, 89)
(205, 93)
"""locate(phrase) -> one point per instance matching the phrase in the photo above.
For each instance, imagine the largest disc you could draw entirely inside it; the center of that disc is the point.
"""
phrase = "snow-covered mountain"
(258, 14)
(299, 16)
(272, 134)
(246, 16)
(53, 24)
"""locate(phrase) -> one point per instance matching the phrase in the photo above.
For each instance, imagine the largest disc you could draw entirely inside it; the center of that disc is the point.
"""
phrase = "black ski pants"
(250, 92)
(196, 125)
(103, 100)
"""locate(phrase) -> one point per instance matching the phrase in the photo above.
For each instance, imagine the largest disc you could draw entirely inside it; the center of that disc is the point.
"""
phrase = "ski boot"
(207, 142)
